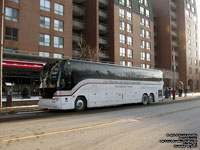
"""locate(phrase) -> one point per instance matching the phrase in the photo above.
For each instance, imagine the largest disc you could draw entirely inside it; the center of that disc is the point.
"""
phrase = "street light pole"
(173, 54)
(2, 48)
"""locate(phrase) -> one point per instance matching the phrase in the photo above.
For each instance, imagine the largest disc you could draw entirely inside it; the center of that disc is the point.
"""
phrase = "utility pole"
(2, 48)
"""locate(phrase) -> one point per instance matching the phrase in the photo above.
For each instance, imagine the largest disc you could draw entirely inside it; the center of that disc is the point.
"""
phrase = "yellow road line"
(94, 126)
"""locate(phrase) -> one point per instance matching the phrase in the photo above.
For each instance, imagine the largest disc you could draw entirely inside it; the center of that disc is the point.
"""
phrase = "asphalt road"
(129, 127)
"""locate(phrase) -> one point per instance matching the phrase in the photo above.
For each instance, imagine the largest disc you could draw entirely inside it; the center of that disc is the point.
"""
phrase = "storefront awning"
(23, 64)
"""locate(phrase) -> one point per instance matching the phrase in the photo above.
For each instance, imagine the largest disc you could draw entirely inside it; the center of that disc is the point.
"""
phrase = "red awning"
(23, 64)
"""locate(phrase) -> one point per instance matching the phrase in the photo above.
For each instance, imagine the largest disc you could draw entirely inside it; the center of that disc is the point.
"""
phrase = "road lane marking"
(95, 126)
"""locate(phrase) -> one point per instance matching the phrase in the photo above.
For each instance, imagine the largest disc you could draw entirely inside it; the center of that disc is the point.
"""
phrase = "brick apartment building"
(176, 45)
(121, 31)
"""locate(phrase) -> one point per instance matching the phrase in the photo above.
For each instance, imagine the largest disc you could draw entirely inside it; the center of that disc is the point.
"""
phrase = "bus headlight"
(55, 100)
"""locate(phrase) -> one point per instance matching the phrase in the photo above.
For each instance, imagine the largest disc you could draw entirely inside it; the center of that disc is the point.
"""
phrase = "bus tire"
(145, 99)
(80, 104)
(151, 99)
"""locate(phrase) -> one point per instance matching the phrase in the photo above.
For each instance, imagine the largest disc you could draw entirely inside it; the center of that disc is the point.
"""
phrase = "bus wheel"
(80, 104)
(151, 99)
(145, 99)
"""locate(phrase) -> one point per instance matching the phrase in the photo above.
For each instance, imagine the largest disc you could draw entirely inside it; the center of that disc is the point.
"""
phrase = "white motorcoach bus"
(76, 84)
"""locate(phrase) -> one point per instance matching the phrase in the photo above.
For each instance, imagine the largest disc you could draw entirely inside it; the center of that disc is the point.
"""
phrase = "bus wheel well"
(82, 96)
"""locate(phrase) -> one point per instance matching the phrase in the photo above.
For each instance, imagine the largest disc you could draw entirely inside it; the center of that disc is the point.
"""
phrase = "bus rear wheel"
(80, 104)
(145, 99)
(151, 99)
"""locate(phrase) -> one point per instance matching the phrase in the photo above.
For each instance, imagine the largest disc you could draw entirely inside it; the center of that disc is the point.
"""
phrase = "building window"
(142, 21)
(56, 55)
(142, 55)
(147, 23)
(147, 12)
(148, 45)
(16, 1)
(187, 13)
(189, 52)
(196, 62)
(141, 1)
(59, 9)
(121, 13)
(142, 44)
(11, 34)
(122, 38)
(142, 34)
(44, 22)
(129, 28)
(122, 52)
(58, 25)
(141, 10)
(129, 53)
(129, 64)
(58, 42)
(129, 16)
(190, 70)
(45, 5)
(188, 6)
(44, 54)
(122, 25)
(193, 9)
(148, 35)
(190, 61)
(148, 57)
(146, 3)
(129, 40)
(122, 63)
(44, 40)
(148, 66)
(10, 50)
(11, 14)
(143, 66)
(196, 71)
(121, 2)
(128, 3)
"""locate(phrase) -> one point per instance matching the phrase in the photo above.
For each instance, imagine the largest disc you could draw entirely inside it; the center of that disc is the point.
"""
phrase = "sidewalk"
(36, 107)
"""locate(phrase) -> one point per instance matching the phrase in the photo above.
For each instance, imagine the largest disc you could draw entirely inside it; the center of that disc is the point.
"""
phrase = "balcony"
(78, 24)
(174, 25)
(78, 10)
(102, 15)
(104, 54)
(102, 28)
(174, 44)
(173, 5)
(78, 38)
(103, 40)
(78, 1)
(103, 3)
(76, 54)
(175, 53)
(174, 34)
(173, 15)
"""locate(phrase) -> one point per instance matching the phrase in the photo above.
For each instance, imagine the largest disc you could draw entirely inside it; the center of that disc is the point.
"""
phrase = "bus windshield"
(50, 76)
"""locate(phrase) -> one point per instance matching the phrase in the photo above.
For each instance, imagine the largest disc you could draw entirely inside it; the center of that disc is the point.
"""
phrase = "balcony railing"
(78, 1)
(102, 28)
(103, 40)
(103, 3)
(103, 15)
(78, 10)
(173, 24)
(174, 44)
(174, 34)
(173, 5)
(78, 38)
(104, 54)
(78, 24)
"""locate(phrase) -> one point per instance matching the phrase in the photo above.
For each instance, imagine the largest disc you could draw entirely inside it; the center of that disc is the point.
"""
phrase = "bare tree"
(87, 52)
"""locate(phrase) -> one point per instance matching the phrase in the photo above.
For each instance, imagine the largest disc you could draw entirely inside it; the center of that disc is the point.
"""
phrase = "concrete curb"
(19, 108)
